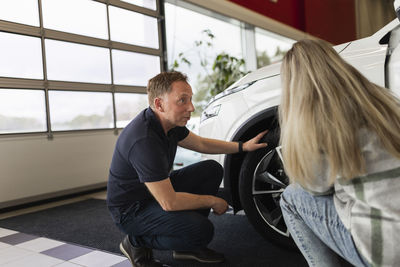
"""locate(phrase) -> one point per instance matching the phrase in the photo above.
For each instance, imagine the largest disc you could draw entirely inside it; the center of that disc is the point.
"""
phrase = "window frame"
(247, 22)
(46, 85)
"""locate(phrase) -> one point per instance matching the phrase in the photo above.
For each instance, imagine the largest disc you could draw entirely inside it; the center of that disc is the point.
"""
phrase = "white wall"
(34, 168)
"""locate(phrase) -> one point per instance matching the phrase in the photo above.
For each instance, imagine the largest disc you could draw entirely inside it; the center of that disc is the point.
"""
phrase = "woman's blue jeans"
(317, 229)
(148, 225)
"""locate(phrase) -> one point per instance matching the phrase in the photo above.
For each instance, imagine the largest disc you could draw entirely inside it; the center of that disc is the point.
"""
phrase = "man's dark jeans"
(148, 225)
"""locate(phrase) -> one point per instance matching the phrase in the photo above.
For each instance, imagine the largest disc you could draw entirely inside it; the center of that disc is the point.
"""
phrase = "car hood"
(271, 70)
(274, 69)
(262, 73)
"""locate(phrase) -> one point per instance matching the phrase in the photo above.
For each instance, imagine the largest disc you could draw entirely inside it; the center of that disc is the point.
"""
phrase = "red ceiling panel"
(290, 12)
(331, 20)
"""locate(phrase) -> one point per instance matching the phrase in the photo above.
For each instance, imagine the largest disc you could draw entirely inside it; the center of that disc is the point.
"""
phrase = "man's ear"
(158, 104)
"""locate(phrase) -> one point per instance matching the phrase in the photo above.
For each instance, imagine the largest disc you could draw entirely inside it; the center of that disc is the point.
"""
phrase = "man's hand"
(220, 206)
(214, 146)
(170, 200)
(253, 144)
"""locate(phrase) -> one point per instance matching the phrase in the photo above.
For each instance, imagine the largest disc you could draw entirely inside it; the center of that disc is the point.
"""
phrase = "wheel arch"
(255, 124)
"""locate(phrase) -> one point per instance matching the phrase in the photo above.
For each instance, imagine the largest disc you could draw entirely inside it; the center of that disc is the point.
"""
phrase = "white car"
(254, 181)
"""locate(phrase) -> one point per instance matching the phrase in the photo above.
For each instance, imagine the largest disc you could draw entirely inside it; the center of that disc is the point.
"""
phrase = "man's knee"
(213, 167)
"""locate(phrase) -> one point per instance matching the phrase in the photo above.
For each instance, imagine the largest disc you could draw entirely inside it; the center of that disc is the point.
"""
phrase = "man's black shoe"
(204, 255)
(139, 256)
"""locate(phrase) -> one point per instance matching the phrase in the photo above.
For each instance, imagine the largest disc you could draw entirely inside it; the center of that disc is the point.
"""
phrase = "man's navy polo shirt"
(143, 153)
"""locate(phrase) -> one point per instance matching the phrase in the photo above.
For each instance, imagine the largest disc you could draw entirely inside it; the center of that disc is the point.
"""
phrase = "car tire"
(262, 209)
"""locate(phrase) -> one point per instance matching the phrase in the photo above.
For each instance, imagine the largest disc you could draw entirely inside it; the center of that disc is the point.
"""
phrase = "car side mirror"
(397, 8)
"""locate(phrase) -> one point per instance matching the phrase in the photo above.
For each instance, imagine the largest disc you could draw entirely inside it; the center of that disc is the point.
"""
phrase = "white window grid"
(46, 84)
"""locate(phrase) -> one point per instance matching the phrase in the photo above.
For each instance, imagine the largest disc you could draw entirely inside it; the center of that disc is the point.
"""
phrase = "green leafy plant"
(200, 48)
(263, 59)
(227, 70)
(218, 75)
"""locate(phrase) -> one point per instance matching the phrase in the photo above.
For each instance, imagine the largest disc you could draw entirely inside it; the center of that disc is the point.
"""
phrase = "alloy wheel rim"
(268, 182)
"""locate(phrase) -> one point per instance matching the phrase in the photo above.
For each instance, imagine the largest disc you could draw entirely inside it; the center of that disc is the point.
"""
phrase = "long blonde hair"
(325, 103)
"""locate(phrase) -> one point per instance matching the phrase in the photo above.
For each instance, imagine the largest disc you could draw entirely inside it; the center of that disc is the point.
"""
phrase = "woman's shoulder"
(377, 158)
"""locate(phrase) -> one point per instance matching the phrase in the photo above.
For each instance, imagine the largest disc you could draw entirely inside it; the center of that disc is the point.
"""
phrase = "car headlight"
(212, 111)
(232, 90)
(209, 112)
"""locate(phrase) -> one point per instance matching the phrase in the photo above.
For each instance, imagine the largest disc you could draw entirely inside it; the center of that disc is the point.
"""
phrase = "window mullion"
(45, 83)
(162, 33)
(249, 46)
(112, 71)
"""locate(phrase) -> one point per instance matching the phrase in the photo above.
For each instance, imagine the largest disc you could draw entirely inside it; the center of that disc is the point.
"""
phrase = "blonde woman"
(340, 137)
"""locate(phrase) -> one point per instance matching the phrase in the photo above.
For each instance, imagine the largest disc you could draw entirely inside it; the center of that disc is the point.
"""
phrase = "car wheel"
(261, 183)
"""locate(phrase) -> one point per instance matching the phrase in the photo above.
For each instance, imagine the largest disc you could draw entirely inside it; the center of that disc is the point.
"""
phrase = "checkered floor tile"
(20, 250)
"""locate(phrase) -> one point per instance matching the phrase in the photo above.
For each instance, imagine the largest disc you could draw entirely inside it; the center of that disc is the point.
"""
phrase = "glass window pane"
(21, 11)
(128, 106)
(76, 16)
(80, 110)
(21, 56)
(22, 111)
(270, 47)
(133, 28)
(183, 39)
(77, 62)
(152, 4)
(134, 68)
